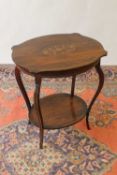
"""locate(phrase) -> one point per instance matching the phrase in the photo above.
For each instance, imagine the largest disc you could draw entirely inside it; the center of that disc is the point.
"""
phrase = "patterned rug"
(68, 151)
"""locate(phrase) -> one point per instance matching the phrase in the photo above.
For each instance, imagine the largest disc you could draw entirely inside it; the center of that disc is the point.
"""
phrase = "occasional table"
(53, 56)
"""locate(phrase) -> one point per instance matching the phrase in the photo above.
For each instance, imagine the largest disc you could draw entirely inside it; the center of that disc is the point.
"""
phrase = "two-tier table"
(52, 56)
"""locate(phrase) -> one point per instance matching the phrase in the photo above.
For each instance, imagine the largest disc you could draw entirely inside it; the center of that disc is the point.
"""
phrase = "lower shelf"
(59, 110)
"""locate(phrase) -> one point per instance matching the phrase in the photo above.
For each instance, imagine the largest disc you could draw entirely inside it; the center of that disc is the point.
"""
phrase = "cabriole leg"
(38, 108)
(101, 82)
(21, 86)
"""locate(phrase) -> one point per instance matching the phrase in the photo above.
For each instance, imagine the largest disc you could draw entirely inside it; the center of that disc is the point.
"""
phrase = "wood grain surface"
(59, 110)
(58, 52)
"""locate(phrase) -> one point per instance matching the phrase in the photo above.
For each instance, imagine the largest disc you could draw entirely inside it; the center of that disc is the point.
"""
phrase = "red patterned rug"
(69, 151)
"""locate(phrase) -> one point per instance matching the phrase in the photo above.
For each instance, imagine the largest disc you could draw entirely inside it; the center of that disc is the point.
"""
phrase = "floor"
(72, 150)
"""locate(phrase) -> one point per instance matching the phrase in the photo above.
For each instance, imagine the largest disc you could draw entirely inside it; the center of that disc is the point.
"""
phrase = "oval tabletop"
(58, 52)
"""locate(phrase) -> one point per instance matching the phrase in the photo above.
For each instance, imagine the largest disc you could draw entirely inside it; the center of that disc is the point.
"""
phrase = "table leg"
(100, 85)
(21, 86)
(38, 108)
(73, 85)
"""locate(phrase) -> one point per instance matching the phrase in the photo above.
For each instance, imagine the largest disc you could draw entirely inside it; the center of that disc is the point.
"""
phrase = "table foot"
(101, 82)
(29, 122)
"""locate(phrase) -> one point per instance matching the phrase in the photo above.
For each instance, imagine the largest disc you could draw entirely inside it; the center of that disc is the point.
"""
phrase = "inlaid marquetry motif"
(67, 47)
(57, 53)
(56, 49)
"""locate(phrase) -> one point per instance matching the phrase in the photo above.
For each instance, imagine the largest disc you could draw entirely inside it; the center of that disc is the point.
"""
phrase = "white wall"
(24, 19)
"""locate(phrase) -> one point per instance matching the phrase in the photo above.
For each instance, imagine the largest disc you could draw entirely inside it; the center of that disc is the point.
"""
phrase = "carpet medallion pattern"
(69, 151)
(66, 152)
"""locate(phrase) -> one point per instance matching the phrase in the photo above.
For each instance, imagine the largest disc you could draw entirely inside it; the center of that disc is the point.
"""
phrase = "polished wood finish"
(37, 108)
(73, 85)
(59, 110)
(59, 55)
(21, 86)
(100, 85)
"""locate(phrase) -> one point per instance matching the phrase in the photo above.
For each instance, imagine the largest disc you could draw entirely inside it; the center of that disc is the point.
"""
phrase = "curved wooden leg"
(101, 82)
(38, 108)
(73, 85)
(21, 86)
